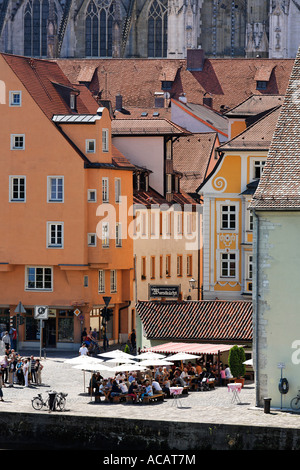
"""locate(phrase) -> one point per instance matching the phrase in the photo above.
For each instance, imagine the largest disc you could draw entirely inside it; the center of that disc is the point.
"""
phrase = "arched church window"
(157, 29)
(98, 28)
(35, 27)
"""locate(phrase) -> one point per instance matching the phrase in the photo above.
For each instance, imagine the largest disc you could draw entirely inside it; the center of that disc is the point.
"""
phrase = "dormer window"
(261, 85)
(72, 101)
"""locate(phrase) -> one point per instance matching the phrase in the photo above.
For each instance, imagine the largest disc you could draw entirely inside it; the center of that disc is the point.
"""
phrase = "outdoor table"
(235, 389)
(176, 392)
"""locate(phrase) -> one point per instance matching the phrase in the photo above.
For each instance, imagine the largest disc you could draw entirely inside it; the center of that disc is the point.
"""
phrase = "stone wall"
(46, 431)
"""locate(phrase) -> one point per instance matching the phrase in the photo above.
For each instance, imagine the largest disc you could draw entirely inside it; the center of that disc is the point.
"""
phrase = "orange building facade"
(62, 243)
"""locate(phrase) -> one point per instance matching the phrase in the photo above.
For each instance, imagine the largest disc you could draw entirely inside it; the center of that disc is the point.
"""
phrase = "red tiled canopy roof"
(204, 320)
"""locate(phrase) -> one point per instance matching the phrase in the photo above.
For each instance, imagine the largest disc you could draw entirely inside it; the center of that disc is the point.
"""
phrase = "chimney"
(195, 60)
(207, 100)
(119, 102)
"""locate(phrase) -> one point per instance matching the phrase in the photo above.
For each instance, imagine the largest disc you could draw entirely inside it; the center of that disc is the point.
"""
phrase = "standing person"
(32, 369)
(13, 337)
(6, 340)
(20, 375)
(1, 383)
(38, 371)
(83, 351)
(25, 369)
(133, 339)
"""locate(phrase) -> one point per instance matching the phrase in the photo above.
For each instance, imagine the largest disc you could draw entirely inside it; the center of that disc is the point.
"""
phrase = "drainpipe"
(256, 306)
(122, 308)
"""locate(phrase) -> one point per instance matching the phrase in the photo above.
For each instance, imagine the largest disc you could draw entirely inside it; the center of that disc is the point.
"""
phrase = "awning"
(192, 348)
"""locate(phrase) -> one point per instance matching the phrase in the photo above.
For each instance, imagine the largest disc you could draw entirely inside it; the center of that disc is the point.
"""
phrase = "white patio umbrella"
(128, 367)
(116, 353)
(150, 355)
(92, 368)
(249, 362)
(121, 360)
(84, 360)
(156, 362)
(181, 356)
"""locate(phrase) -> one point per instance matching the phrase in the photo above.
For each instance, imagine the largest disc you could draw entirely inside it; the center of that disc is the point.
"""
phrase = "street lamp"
(194, 285)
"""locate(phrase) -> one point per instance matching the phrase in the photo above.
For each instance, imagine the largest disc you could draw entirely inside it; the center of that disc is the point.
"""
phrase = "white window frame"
(105, 137)
(261, 163)
(13, 139)
(47, 289)
(12, 94)
(113, 281)
(105, 234)
(49, 229)
(11, 188)
(117, 190)
(92, 239)
(118, 234)
(223, 212)
(101, 281)
(87, 145)
(49, 188)
(230, 256)
(90, 198)
(105, 189)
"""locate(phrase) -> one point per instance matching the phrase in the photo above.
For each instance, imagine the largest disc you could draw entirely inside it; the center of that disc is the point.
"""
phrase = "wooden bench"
(153, 398)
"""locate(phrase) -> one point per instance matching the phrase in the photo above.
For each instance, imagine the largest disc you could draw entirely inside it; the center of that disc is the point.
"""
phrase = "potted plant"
(235, 359)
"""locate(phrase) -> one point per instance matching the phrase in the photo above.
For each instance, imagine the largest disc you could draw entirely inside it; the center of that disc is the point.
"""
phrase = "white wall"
(147, 152)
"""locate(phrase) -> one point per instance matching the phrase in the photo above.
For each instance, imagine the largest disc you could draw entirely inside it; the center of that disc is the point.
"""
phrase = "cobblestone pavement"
(214, 406)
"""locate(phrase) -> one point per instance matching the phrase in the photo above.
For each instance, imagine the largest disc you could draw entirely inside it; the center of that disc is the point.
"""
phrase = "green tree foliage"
(235, 359)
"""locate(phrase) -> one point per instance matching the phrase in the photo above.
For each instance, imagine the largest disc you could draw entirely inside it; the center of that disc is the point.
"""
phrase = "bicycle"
(58, 402)
(295, 402)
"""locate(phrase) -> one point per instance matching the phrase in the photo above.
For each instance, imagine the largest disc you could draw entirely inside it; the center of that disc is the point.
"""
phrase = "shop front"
(60, 330)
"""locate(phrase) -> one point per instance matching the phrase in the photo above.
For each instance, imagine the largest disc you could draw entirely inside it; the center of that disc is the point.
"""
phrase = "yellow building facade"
(227, 222)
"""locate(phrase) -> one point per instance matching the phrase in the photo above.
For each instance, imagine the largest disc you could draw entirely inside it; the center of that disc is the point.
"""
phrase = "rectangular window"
(55, 234)
(92, 195)
(228, 217)
(168, 265)
(90, 146)
(55, 188)
(179, 265)
(168, 183)
(228, 265)
(15, 98)
(118, 234)
(189, 265)
(105, 235)
(17, 188)
(39, 278)
(117, 189)
(143, 268)
(105, 140)
(161, 266)
(85, 281)
(258, 168)
(113, 280)
(92, 239)
(105, 190)
(17, 142)
(250, 267)
(152, 267)
(101, 281)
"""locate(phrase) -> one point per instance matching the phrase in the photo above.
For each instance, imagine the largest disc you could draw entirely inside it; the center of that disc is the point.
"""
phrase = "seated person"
(115, 389)
(123, 387)
(166, 386)
(228, 374)
(132, 391)
(156, 387)
(178, 380)
(148, 390)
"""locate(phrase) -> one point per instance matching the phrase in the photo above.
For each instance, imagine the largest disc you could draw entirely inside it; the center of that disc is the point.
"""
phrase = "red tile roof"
(279, 185)
(229, 81)
(42, 78)
(191, 157)
(151, 197)
(204, 320)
